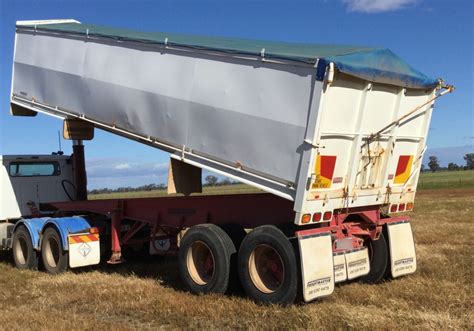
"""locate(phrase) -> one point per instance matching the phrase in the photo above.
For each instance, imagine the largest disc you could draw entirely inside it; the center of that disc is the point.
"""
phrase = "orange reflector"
(93, 230)
(327, 215)
(401, 207)
(306, 218)
(409, 206)
(316, 217)
(393, 208)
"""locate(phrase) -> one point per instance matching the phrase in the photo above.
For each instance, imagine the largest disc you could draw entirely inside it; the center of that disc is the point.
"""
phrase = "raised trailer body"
(307, 129)
(335, 134)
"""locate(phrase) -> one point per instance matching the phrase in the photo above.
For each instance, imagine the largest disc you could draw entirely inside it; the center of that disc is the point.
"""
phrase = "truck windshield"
(30, 169)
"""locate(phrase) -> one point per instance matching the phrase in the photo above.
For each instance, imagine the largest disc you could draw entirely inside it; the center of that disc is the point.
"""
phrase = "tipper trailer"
(333, 134)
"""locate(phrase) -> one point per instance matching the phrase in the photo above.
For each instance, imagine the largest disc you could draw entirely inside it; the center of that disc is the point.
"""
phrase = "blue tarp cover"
(372, 64)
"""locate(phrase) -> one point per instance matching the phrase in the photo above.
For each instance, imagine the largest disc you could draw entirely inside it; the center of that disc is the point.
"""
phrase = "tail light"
(327, 215)
(305, 218)
(393, 208)
(401, 207)
(409, 206)
(316, 217)
(93, 230)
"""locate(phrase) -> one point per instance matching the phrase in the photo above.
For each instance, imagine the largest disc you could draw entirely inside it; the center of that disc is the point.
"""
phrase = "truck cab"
(28, 180)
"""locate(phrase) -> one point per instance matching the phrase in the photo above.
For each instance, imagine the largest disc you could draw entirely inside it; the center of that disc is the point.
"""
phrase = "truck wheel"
(24, 255)
(378, 255)
(204, 259)
(267, 266)
(55, 258)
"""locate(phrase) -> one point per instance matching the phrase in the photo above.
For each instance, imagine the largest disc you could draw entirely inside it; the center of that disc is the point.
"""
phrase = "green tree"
(453, 167)
(211, 180)
(433, 164)
(469, 158)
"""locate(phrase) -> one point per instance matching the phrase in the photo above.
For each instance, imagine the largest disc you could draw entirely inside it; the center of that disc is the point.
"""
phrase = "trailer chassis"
(353, 234)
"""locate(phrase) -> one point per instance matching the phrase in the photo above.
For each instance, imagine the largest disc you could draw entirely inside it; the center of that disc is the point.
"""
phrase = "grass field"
(228, 189)
(446, 179)
(149, 295)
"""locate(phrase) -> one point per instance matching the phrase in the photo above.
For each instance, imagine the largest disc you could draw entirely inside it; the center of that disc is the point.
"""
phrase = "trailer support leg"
(116, 256)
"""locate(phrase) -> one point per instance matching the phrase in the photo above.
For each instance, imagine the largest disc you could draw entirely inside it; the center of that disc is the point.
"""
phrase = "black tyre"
(237, 234)
(24, 255)
(205, 258)
(378, 255)
(267, 266)
(54, 257)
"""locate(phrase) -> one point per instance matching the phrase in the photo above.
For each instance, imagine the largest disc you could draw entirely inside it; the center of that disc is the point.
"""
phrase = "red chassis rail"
(172, 214)
(169, 215)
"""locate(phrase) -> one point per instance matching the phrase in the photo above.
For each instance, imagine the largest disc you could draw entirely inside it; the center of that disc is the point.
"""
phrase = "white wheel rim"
(51, 252)
(200, 263)
(21, 250)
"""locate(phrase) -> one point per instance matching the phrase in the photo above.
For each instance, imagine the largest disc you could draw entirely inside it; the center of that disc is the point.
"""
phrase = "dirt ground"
(149, 295)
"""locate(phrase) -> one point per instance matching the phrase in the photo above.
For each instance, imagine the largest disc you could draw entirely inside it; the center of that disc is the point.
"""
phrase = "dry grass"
(148, 295)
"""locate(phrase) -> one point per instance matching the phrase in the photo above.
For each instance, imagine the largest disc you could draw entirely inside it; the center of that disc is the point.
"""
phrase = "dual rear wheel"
(54, 258)
(266, 263)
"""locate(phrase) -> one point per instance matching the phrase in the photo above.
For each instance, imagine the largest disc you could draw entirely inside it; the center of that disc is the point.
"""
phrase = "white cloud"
(116, 172)
(122, 166)
(377, 6)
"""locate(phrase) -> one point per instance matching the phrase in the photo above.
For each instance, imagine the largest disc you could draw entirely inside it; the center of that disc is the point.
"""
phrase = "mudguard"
(340, 270)
(317, 265)
(402, 248)
(84, 249)
(357, 262)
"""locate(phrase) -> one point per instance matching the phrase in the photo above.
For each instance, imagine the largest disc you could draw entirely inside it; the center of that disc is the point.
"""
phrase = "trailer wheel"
(267, 266)
(55, 258)
(378, 255)
(204, 259)
(24, 255)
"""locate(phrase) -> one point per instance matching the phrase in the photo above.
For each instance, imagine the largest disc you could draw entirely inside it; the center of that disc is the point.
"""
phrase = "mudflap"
(357, 262)
(340, 270)
(84, 249)
(402, 249)
(317, 265)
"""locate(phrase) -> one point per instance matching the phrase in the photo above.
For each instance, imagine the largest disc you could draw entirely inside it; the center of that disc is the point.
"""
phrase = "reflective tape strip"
(324, 170)
(83, 238)
(403, 169)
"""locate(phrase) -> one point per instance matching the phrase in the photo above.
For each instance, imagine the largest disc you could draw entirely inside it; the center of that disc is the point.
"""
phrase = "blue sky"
(434, 36)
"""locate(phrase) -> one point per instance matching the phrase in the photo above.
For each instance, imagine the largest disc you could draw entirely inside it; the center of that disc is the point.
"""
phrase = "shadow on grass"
(163, 269)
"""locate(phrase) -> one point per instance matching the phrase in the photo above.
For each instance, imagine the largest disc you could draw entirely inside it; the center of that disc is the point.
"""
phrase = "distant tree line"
(433, 164)
(209, 181)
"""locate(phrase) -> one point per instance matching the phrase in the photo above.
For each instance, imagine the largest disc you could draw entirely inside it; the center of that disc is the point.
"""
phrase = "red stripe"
(76, 239)
(93, 237)
(327, 166)
(402, 164)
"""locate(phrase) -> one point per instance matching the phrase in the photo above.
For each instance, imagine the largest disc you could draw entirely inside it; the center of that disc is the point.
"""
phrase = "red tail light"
(393, 208)
(316, 217)
(401, 207)
(327, 215)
